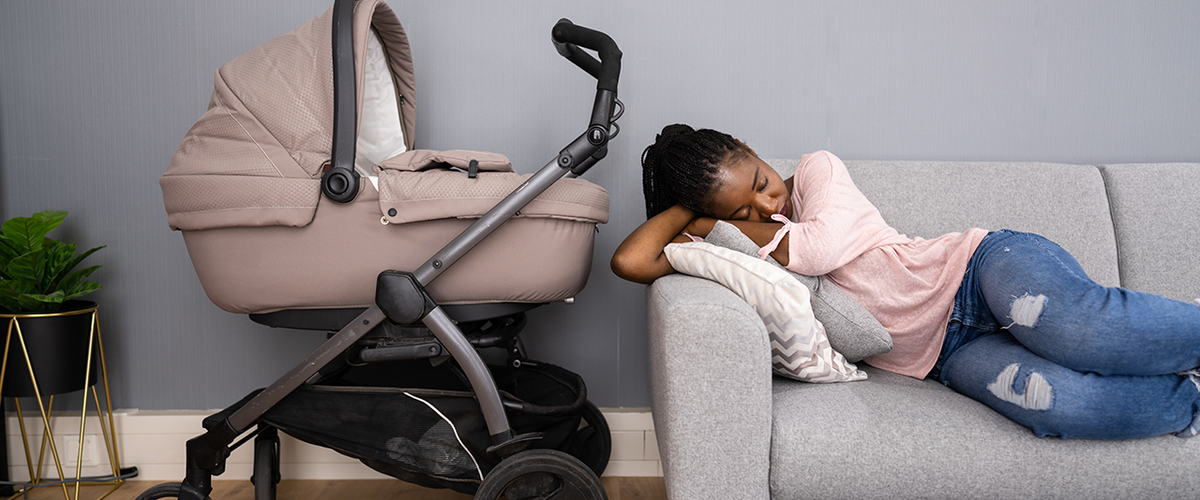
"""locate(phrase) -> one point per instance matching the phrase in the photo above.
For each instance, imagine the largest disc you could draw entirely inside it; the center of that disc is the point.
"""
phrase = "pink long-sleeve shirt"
(908, 284)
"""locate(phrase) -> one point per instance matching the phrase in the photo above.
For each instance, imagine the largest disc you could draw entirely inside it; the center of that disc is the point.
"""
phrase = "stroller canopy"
(255, 157)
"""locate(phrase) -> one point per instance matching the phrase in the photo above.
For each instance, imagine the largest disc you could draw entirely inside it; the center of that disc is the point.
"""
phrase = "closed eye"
(743, 212)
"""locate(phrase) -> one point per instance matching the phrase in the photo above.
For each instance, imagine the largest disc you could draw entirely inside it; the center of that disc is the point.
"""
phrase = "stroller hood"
(254, 158)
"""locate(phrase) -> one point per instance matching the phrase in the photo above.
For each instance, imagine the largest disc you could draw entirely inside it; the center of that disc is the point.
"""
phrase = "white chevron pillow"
(799, 346)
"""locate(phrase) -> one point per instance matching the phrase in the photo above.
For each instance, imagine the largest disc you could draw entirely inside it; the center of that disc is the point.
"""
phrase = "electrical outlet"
(70, 450)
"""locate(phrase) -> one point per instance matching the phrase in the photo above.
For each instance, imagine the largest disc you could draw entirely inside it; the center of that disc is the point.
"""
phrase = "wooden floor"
(618, 488)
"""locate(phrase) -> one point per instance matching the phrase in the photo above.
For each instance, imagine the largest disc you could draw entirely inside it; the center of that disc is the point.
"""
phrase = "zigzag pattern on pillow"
(807, 357)
(799, 346)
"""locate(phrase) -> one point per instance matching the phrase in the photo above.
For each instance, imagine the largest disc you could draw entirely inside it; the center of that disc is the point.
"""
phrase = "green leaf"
(10, 305)
(30, 268)
(57, 280)
(26, 234)
(81, 289)
(7, 252)
(22, 234)
(57, 255)
(72, 280)
(9, 291)
(38, 302)
(52, 218)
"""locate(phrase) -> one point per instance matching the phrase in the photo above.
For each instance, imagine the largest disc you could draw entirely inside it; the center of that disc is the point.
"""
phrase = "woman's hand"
(640, 257)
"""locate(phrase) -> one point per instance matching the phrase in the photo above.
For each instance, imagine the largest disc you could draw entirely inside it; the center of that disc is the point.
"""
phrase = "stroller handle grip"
(568, 37)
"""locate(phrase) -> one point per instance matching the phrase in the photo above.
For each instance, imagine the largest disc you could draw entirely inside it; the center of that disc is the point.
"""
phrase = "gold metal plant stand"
(95, 352)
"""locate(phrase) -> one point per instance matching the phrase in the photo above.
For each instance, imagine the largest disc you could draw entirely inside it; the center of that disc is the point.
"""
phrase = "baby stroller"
(303, 204)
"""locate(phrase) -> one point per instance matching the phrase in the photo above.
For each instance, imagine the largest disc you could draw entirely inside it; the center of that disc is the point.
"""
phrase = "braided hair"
(681, 167)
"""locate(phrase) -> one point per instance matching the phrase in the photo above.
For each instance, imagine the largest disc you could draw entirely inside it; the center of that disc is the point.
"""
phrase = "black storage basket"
(422, 424)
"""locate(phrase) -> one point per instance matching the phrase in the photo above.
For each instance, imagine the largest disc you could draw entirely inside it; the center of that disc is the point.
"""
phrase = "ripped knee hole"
(1038, 394)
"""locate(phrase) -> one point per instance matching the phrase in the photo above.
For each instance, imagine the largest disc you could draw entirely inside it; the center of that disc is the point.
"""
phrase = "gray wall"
(95, 96)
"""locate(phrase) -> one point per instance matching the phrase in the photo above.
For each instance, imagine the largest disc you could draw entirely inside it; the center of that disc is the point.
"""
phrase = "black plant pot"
(57, 343)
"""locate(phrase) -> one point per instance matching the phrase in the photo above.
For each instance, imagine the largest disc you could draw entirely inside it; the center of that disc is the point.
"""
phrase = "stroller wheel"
(592, 444)
(541, 474)
(266, 464)
(164, 490)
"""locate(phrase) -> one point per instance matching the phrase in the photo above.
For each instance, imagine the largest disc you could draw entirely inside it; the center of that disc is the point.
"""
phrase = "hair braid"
(681, 167)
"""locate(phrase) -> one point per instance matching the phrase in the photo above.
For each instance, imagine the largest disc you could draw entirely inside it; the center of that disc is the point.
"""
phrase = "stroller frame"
(401, 296)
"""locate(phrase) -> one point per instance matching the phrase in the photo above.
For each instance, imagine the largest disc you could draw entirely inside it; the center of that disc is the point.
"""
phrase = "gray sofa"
(728, 429)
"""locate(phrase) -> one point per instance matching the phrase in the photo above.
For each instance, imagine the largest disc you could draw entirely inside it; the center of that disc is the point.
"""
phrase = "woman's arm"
(761, 233)
(640, 257)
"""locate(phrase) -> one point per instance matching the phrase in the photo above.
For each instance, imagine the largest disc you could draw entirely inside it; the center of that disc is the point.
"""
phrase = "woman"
(1007, 318)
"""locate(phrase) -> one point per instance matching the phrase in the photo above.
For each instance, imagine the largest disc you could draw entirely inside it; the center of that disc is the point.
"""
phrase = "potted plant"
(39, 295)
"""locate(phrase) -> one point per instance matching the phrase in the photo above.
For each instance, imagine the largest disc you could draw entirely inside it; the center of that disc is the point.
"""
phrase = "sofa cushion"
(1157, 226)
(851, 329)
(901, 437)
(799, 346)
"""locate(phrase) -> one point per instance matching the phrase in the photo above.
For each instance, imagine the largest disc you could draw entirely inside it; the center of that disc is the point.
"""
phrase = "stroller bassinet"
(244, 188)
(306, 152)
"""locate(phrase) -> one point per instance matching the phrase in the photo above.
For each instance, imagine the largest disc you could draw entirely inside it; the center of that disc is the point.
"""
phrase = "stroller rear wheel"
(541, 474)
(266, 464)
(593, 442)
(164, 490)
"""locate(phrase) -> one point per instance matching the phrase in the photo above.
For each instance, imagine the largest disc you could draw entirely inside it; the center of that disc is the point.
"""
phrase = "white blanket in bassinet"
(379, 134)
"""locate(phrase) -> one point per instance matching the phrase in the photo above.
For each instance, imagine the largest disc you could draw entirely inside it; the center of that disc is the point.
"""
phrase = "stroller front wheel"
(536, 474)
(266, 464)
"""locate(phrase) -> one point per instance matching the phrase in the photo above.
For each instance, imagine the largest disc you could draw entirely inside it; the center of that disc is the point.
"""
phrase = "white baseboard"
(153, 441)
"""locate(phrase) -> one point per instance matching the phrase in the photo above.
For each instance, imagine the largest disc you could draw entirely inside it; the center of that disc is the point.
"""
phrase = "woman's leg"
(1056, 401)
(1040, 294)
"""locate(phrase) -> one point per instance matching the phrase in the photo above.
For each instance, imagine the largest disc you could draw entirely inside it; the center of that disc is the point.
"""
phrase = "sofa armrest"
(710, 389)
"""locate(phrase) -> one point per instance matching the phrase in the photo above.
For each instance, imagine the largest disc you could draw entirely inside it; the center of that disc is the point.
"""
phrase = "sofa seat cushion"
(897, 437)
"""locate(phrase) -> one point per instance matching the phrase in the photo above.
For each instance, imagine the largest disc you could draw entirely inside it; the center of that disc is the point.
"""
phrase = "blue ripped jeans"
(1038, 341)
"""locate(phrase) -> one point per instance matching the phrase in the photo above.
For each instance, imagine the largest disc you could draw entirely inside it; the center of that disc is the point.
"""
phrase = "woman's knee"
(1025, 274)
(1053, 400)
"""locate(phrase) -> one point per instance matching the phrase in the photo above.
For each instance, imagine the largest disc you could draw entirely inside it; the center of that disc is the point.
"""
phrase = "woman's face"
(748, 189)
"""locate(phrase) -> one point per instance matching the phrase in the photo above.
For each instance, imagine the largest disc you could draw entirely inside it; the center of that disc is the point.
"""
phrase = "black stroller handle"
(340, 182)
(590, 148)
(568, 38)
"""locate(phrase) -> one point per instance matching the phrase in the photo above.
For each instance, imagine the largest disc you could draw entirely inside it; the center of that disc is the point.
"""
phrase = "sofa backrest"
(1065, 203)
(1156, 213)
